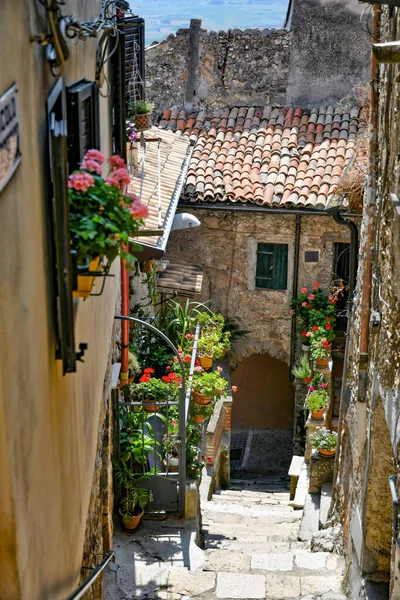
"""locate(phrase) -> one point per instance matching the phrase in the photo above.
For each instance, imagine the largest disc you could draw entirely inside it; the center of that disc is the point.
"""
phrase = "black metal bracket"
(82, 349)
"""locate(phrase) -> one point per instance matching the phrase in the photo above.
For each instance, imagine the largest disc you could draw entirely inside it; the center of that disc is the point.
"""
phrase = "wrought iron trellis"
(157, 481)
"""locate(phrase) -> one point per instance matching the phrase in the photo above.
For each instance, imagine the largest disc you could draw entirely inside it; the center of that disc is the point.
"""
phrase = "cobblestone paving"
(251, 550)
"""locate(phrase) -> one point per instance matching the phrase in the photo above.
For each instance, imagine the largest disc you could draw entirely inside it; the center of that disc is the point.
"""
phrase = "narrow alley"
(251, 549)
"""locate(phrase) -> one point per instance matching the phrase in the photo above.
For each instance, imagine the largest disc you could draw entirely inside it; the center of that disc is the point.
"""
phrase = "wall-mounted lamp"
(185, 221)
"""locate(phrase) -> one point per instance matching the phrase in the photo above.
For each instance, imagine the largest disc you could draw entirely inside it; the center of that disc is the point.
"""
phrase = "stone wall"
(330, 51)
(236, 68)
(370, 444)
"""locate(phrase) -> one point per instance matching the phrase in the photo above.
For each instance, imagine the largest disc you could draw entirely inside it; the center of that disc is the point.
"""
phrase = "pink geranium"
(219, 369)
(91, 165)
(139, 210)
(117, 162)
(198, 369)
(80, 181)
(122, 175)
(112, 181)
(234, 388)
(94, 155)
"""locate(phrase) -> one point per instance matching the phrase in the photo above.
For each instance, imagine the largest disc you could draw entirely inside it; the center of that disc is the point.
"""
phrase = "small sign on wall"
(10, 155)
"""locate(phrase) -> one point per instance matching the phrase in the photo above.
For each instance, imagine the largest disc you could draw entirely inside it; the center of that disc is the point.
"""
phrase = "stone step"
(302, 488)
(310, 519)
(253, 546)
(247, 500)
(252, 511)
(299, 562)
(325, 503)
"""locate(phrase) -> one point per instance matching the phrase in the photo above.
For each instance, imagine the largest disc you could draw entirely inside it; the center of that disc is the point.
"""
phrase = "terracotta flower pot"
(198, 419)
(318, 414)
(85, 282)
(206, 362)
(151, 406)
(201, 399)
(132, 523)
(323, 452)
(322, 362)
(142, 122)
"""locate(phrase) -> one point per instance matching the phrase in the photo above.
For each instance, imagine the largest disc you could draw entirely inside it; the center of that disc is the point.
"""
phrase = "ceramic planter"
(151, 406)
(322, 362)
(172, 463)
(201, 399)
(131, 523)
(142, 122)
(206, 362)
(318, 414)
(305, 347)
(85, 282)
(323, 452)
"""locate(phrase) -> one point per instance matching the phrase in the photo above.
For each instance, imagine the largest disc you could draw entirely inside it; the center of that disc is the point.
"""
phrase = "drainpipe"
(369, 210)
(124, 324)
(296, 260)
(337, 217)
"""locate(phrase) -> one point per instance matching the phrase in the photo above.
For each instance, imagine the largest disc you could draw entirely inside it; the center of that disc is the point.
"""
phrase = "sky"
(163, 17)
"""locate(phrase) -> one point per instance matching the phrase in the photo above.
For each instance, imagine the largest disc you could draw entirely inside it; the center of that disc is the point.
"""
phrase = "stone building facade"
(370, 433)
(226, 244)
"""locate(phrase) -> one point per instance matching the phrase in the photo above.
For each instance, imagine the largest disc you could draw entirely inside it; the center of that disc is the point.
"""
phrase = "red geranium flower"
(311, 297)
(303, 290)
(304, 333)
(315, 328)
(197, 363)
(316, 284)
(328, 318)
(325, 343)
(144, 378)
(308, 379)
(166, 378)
(327, 326)
(187, 358)
(149, 370)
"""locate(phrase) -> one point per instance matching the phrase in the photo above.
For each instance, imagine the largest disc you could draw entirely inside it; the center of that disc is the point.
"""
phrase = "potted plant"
(171, 446)
(153, 392)
(316, 402)
(133, 503)
(303, 370)
(324, 441)
(201, 412)
(101, 217)
(206, 386)
(139, 112)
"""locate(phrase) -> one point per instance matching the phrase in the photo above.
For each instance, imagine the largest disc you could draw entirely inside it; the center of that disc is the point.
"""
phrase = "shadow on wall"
(265, 396)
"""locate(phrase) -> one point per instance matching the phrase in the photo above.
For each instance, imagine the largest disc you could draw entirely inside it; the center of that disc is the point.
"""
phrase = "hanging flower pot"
(85, 282)
(323, 452)
(198, 419)
(305, 347)
(206, 362)
(131, 523)
(172, 463)
(142, 122)
(201, 399)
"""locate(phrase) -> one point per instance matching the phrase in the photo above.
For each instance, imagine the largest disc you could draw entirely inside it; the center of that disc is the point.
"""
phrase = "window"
(83, 120)
(311, 256)
(272, 264)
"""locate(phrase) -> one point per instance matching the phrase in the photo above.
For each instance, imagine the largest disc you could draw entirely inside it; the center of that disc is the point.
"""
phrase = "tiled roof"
(173, 153)
(279, 157)
(181, 276)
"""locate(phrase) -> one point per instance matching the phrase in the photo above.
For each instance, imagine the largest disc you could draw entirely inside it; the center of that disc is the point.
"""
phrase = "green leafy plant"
(210, 344)
(324, 439)
(154, 389)
(313, 307)
(303, 370)
(139, 108)
(177, 320)
(133, 365)
(318, 349)
(101, 217)
(210, 384)
(136, 439)
(203, 411)
(317, 400)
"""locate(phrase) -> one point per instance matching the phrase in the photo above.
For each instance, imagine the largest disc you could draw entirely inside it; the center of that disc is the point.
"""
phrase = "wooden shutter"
(133, 29)
(83, 120)
(59, 222)
(272, 262)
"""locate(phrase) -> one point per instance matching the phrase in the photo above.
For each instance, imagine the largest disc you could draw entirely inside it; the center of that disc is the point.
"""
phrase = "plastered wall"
(49, 423)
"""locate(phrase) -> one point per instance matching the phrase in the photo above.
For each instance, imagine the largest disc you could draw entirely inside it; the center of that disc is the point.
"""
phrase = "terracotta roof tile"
(272, 156)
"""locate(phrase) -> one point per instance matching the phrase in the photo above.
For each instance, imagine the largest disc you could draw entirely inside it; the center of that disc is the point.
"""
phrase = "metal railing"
(87, 584)
(395, 502)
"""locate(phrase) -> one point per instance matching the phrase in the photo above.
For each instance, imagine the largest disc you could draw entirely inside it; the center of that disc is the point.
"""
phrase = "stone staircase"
(251, 550)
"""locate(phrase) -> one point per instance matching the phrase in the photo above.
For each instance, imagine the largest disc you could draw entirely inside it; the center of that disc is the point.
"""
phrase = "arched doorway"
(262, 417)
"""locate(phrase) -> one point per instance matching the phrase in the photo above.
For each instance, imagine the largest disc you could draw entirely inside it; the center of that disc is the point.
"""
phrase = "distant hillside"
(166, 16)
